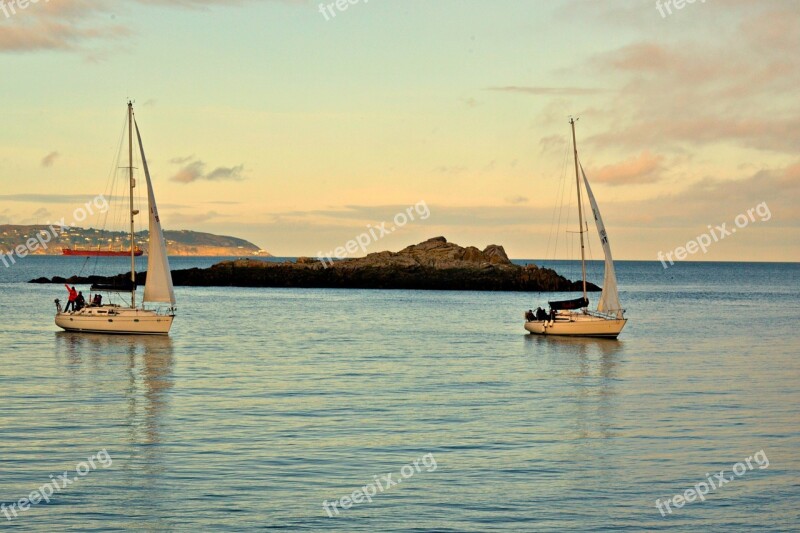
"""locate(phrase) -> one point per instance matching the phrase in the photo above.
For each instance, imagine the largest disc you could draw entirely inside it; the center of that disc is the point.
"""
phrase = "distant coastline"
(179, 243)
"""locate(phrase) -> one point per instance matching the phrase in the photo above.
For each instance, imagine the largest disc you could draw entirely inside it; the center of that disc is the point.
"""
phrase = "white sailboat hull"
(578, 325)
(115, 320)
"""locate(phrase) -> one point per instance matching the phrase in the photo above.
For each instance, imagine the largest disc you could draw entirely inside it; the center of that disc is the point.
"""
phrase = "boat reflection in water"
(111, 376)
(587, 369)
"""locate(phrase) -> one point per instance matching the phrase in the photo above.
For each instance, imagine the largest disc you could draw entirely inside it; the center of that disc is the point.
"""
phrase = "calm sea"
(263, 404)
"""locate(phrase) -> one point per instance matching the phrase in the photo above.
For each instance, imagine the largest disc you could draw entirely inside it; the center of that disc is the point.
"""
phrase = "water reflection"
(142, 366)
(130, 376)
(591, 367)
(576, 345)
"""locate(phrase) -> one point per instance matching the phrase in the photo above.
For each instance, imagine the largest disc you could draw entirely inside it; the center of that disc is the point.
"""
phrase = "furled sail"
(609, 299)
(578, 303)
(158, 287)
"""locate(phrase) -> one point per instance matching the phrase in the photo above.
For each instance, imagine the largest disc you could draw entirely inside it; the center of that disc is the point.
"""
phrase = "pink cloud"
(644, 168)
(70, 25)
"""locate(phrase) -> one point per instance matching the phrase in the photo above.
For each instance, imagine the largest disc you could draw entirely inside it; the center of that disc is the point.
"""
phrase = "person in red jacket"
(73, 295)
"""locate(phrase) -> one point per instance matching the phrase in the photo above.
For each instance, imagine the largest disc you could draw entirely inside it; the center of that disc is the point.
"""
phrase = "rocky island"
(432, 265)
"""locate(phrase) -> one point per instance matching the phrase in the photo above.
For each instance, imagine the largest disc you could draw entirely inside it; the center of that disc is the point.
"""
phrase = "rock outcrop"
(431, 265)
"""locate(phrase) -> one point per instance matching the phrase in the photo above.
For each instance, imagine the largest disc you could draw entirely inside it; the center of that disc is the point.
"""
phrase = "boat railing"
(164, 311)
(600, 314)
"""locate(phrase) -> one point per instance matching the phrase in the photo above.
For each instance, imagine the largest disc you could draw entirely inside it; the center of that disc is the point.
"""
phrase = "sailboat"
(133, 320)
(572, 318)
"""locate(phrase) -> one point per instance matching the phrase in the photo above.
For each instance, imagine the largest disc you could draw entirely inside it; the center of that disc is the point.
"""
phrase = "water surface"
(263, 403)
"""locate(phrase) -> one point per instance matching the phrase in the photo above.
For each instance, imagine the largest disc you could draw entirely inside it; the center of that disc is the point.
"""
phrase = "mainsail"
(609, 299)
(158, 287)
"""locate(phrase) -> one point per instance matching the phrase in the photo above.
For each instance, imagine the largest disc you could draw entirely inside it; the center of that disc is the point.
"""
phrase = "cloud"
(549, 91)
(470, 216)
(191, 172)
(41, 213)
(708, 201)
(644, 168)
(700, 88)
(226, 173)
(40, 216)
(190, 219)
(65, 25)
(181, 160)
(553, 143)
(78, 199)
(516, 200)
(454, 170)
(490, 166)
(471, 103)
(73, 25)
(195, 171)
(713, 200)
(49, 159)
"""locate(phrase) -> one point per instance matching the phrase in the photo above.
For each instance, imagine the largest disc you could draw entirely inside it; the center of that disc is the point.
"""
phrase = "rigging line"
(586, 222)
(102, 219)
(561, 209)
(589, 241)
(586, 210)
(80, 272)
(139, 200)
(112, 174)
(118, 199)
(109, 180)
(570, 242)
(555, 206)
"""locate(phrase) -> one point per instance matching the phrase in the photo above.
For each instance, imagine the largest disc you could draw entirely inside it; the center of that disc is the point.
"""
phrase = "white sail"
(609, 299)
(158, 287)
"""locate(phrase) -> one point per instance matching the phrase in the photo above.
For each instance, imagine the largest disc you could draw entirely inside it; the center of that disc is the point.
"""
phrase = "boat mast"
(132, 185)
(580, 206)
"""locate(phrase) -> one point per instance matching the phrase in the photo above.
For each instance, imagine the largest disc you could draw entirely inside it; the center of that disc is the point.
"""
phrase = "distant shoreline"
(180, 243)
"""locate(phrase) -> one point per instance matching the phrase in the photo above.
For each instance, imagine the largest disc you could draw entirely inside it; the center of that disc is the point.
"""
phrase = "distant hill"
(181, 242)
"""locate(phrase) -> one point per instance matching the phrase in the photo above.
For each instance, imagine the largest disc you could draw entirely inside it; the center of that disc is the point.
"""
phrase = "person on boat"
(541, 315)
(529, 316)
(552, 315)
(73, 295)
(97, 301)
(80, 302)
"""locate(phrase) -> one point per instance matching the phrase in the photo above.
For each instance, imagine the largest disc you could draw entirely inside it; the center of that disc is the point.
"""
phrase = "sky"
(295, 125)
